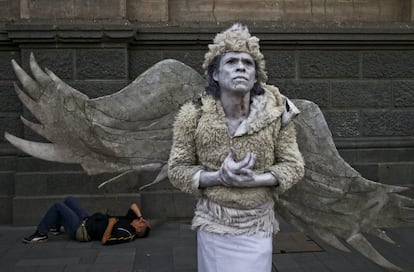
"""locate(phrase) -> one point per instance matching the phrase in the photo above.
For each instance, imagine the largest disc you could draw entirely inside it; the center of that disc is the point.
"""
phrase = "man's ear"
(215, 75)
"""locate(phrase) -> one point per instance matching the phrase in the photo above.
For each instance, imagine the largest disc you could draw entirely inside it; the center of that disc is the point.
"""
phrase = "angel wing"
(334, 202)
(130, 130)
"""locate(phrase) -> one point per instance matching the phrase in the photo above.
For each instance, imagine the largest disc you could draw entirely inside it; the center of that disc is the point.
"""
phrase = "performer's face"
(236, 73)
(139, 226)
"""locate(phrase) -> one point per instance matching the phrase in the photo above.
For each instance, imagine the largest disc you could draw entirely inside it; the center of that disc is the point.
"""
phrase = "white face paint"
(236, 73)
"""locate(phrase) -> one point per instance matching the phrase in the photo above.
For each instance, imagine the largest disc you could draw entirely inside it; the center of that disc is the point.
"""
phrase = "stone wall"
(360, 74)
(175, 11)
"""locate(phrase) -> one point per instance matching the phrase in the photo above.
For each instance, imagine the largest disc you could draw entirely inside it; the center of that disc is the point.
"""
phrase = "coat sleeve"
(183, 164)
(289, 167)
(122, 232)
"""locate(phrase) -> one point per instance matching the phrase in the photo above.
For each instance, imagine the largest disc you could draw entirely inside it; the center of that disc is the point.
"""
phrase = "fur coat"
(201, 142)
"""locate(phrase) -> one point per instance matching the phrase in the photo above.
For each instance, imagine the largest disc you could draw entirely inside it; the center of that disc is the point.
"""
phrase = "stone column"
(24, 9)
(412, 10)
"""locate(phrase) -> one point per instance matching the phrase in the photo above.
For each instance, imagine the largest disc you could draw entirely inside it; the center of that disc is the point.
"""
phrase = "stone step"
(116, 204)
(377, 155)
(8, 163)
(55, 183)
(78, 182)
(154, 205)
(392, 173)
(38, 190)
(167, 204)
(6, 182)
(397, 173)
(31, 164)
(6, 196)
(388, 172)
(6, 209)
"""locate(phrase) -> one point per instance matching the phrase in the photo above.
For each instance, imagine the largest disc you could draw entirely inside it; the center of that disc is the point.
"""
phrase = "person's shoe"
(36, 237)
(55, 231)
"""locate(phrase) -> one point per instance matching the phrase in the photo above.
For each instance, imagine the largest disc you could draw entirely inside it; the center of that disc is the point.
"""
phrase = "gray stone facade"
(361, 77)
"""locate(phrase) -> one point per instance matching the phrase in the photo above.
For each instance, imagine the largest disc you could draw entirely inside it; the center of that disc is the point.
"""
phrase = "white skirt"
(229, 253)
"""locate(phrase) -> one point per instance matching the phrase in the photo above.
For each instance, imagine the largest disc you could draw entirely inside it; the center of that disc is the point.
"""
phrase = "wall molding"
(374, 142)
(279, 35)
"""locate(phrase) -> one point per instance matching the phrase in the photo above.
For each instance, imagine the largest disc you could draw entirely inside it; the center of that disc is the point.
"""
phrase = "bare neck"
(235, 106)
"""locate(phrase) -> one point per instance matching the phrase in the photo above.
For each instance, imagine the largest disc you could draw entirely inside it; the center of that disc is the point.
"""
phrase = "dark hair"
(145, 233)
(213, 87)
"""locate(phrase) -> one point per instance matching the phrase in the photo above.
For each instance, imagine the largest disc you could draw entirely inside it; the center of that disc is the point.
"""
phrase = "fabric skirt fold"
(229, 253)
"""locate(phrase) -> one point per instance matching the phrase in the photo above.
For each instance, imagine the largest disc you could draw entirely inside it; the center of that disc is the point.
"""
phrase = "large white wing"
(131, 130)
(128, 130)
(334, 202)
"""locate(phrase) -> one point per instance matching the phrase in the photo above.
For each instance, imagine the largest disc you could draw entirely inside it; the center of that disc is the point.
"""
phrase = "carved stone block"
(313, 90)
(361, 94)
(8, 98)
(387, 123)
(11, 124)
(388, 64)
(60, 61)
(5, 63)
(328, 64)
(343, 123)
(101, 64)
(403, 93)
(280, 64)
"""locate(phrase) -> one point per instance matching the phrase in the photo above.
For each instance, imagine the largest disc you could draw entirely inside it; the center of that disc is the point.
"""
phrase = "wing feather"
(334, 202)
(45, 151)
(31, 86)
(131, 130)
(38, 128)
(30, 104)
(128, 130)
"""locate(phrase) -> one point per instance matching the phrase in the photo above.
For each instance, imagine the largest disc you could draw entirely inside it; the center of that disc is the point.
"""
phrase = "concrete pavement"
(171, 247)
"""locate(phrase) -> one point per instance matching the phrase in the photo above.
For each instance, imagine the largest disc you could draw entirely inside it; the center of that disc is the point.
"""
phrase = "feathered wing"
(334, 202)
(130, 130)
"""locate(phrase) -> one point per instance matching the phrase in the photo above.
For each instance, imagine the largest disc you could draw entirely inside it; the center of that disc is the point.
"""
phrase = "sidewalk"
(171, 247)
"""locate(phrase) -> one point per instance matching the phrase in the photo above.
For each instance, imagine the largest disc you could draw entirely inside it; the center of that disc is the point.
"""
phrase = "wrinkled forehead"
(236, 55)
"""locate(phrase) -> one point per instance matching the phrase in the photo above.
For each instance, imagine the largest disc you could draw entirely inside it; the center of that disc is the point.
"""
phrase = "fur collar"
(264, 109)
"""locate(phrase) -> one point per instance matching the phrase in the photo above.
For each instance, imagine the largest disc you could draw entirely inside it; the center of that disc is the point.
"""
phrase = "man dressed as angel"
(240, 148)
(232, 150)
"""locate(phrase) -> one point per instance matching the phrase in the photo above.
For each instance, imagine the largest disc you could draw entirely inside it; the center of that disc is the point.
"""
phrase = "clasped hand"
(238, 174)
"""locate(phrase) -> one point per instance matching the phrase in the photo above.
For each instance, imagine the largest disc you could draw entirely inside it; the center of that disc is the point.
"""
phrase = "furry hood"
(264, 109)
